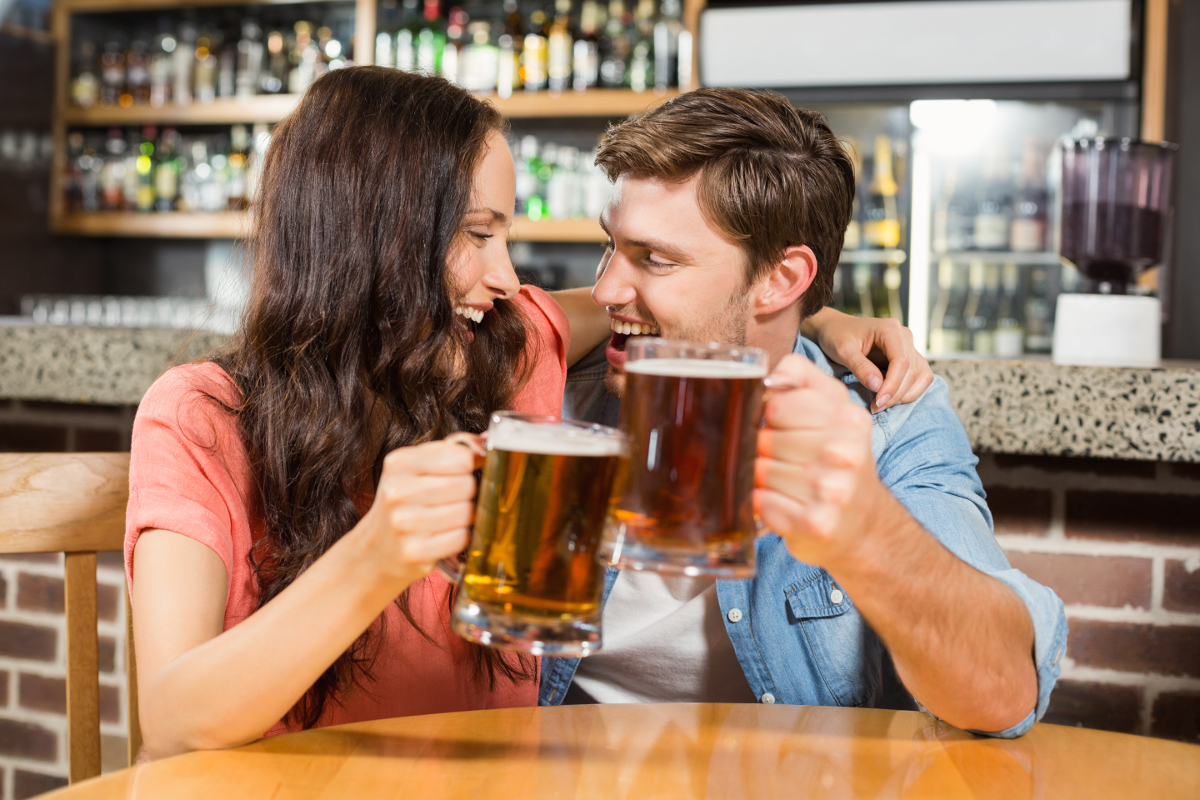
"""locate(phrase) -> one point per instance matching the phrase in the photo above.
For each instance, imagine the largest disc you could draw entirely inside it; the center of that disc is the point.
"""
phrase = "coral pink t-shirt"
(188, 474)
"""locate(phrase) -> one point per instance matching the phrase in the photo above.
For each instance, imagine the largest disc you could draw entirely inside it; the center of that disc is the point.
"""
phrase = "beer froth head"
(725, 223)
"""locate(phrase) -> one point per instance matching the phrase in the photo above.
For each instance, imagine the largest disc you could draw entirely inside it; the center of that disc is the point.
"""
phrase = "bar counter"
(1028, 407)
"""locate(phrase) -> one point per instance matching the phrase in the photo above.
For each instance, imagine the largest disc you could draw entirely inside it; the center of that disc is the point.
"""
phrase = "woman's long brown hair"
(342, 352)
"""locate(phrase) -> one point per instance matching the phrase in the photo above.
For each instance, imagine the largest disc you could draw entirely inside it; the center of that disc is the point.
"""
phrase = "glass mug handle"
(450, 568)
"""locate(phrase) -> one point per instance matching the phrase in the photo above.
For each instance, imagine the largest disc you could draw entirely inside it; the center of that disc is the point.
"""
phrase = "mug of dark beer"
(682, 501)
(532, 580)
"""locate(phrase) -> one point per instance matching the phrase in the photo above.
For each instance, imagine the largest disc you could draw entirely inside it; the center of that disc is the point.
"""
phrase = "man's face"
(668, 271)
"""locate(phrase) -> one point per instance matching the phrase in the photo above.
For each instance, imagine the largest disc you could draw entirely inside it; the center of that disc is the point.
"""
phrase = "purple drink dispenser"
(1116, 223)
(1116, 198)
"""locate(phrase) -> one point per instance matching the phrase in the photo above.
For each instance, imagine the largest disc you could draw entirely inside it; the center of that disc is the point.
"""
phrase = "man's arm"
(962, 640)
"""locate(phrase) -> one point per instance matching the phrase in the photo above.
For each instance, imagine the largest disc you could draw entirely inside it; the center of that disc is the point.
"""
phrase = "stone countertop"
(1029, 407)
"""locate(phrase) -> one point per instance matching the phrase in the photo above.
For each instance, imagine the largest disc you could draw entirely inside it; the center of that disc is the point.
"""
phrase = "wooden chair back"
(74, 503)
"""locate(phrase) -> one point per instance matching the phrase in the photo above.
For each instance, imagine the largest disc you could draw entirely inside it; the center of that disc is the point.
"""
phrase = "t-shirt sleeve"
(549, 339)
(185, 452)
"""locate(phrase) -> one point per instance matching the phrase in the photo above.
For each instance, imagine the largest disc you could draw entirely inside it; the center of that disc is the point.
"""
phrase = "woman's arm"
(589, 322)
(856, 342)
(201, 687)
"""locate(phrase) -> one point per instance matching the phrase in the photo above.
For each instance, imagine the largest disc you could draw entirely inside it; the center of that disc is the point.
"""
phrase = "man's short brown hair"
(771, 175)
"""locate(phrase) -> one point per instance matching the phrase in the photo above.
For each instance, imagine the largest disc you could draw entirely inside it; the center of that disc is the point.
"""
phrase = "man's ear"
(790, 279)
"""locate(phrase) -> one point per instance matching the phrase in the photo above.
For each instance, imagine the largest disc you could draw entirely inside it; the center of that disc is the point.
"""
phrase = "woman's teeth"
(473, 314)
(632, 328)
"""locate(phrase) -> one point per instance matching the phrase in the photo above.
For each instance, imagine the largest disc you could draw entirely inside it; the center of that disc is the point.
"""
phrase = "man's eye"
(609, 246)
(654, 264)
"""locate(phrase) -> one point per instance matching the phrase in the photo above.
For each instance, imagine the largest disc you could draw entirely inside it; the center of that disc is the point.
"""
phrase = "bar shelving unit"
(596, 104)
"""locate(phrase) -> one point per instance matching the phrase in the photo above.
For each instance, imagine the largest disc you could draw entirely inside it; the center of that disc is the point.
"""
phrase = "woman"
(288, 499)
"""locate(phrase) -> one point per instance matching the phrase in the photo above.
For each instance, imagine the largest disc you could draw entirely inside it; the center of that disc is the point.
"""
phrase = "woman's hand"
(423, 506)
(858, 341)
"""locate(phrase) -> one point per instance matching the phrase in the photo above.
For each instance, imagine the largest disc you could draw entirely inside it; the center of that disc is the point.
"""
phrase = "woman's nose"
(502, 279)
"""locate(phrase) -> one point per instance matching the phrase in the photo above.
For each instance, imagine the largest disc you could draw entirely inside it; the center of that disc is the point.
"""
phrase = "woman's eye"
(481, 236)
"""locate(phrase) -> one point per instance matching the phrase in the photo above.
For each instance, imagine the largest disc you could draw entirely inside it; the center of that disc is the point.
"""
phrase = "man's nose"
(614, 286)
(501, 278)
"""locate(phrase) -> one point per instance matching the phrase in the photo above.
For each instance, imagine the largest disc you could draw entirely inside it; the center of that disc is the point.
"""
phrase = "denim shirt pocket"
(844, 650)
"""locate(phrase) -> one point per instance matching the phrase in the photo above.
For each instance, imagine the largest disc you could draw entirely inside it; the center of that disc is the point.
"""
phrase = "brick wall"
(1119, 541)
(33, 728)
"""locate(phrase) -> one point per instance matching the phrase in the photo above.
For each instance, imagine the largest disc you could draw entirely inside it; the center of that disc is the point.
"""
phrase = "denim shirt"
(799, 638)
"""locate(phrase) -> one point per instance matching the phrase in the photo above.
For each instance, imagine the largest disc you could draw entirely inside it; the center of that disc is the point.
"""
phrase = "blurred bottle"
(946, 327)
(641, 60)
(882, 222)
(431, 40)
(72, 174)
(892, 280)
(975, 313)
(881, 298)
(259, 142)
(112, 174)
(1010, 333)
(91, 165)
(137, 73)
(387, 24)
(275, 76)
(452, 51)
(480, 59)
(585, 61)
(993, 215)
(861, 277)
(204, 69)
(85, 86)
(667, 29)
(837, 300)
(1031, 203)
(112, 74)
(615, 47)
(406, 36)
(239, 147)
(1039, 312)
(183, 62)
(129, 189)
(562, 186)
(527, 164)
(559, 46)
(249, 59)
(144, 165)
(166, 171)
(853, 303)
(534, 53)
(161, 64)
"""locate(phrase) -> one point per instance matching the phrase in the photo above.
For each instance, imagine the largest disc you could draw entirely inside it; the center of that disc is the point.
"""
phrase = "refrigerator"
(954, 112)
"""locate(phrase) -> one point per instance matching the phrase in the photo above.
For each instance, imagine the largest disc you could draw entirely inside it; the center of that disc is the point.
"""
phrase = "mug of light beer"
(682, 501)
(532, 580)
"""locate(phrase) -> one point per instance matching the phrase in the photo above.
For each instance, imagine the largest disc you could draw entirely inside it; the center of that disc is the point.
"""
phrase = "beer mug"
(532, 580)
(682, 501)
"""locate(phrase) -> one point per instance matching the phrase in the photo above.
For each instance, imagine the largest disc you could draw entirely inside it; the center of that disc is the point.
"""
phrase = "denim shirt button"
(837, 597)
(768, 698)
(735, 615)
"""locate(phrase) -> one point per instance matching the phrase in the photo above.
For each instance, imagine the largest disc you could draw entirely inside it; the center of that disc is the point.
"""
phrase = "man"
(882, 582)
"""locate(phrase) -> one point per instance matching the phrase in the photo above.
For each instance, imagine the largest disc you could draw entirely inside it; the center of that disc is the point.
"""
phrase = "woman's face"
(479, 265)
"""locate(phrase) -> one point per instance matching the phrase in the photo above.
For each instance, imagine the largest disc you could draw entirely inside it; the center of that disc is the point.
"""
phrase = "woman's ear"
(785, 284)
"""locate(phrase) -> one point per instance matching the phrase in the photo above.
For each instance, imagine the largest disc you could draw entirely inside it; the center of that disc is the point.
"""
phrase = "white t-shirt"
(664, 642)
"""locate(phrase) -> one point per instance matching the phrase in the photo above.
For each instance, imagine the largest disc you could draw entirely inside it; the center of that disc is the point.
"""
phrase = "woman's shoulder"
(544, 311)
(182, 386)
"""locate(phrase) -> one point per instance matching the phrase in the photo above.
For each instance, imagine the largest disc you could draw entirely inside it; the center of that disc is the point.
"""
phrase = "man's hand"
(815, 475)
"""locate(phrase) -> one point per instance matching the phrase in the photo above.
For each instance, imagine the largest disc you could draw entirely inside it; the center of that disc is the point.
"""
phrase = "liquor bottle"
(72, 173)
(599, 189)
(480, 59)
(406, 36)
(1030, 205)
(275, 72)
(260, 140)
(945, 320)
(993, 214)
(385, 36)
(303, 59)
(615, 47)
(1010, 335)
(861, 277)
(882, 226)
(166, 171)
(641, 60)
(85, 86)
(881, 298)
(666, 44)
(204, 69)
(431, 40)
(452, 51)
(91, 165)
(526, 161)
(1039, 313)
(249, 59)
(129, 190)
(852, 240)
(112, 74)
(137, 74)
(144, 166)
(534, 55)
(559, 47)
(684, 59)
(585, 61)
(975, 313)
(958, 219)
(853, 303)
(183, 59)
(239, 145)
(112, 174)
(562, 186)
(226, 68)
(891, 283)
(161, 65)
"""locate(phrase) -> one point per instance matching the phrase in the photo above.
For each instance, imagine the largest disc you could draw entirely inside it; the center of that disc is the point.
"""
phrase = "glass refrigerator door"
(984, 267)
(870, 279)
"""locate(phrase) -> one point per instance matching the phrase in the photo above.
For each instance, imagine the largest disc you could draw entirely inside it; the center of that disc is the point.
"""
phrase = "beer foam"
(696, 368)
(519, 436)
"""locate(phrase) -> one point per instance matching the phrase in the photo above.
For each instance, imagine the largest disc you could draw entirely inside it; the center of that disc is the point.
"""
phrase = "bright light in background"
(953, 127)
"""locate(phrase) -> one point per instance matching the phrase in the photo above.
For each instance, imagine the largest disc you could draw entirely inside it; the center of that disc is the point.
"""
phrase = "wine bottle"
(882, 226)
(534, 55)
(585, 61)
(1030, 205)
(559, 44)
(1010, 335)
(993, 214)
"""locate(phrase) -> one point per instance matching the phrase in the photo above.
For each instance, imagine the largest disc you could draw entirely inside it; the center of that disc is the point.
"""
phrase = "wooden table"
(668, 751)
